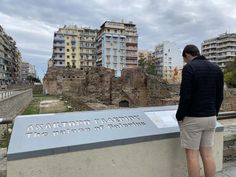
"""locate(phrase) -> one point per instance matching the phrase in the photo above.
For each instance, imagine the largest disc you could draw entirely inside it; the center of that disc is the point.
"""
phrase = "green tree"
(230, 74)
(141, 63)
(33, 79)
(148, 66)
(151, 68)
(230, 78)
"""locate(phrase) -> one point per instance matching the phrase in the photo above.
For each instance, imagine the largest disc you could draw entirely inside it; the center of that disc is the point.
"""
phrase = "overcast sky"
(32, 22)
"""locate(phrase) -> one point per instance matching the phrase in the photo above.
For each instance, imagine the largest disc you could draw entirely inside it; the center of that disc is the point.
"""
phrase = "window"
(67, 43)
(68, 56)
(60, 49)
(60, 62)
(60, 56)
(73, 56)
(68, 50)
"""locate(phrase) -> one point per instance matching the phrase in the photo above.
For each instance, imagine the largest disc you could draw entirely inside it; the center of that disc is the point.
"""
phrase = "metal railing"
(227, 115)
(5, 94)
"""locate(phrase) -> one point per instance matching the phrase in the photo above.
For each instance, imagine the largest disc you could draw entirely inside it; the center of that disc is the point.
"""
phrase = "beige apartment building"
(145, 55)
(221, 49)
(74, 47)
(10, 60)
(117, 46)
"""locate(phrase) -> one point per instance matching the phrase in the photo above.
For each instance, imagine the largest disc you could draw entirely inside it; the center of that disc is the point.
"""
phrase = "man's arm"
(185, 92)
(219, 91)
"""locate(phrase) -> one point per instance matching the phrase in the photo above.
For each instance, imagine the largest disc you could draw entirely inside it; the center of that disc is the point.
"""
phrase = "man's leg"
(208, 161)
(192, 157)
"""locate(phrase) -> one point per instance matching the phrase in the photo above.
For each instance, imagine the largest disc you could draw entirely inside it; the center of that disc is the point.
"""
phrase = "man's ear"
(188, 55)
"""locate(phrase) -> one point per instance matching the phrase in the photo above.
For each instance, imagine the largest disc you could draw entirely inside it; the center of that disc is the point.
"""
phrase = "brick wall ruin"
(99, 85)
(133, 88)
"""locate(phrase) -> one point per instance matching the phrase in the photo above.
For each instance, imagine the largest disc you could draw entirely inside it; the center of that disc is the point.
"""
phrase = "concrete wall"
(15, 104)
(162, 158)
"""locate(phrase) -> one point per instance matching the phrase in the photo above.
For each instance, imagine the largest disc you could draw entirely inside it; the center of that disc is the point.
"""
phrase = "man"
(201, 95)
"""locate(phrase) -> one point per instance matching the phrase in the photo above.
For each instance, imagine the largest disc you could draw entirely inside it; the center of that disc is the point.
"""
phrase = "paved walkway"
(229, 170)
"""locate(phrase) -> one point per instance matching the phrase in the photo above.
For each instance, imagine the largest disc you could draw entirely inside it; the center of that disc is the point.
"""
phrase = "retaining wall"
(15, 104)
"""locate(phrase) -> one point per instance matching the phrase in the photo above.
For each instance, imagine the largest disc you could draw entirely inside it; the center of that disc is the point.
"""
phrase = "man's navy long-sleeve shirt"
(201, 92)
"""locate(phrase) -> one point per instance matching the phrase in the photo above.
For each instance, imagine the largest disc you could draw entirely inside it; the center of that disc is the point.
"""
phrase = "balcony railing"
(58, 44)
(5, 94)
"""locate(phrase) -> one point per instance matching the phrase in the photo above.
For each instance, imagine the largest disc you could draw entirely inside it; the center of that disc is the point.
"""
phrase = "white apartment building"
(169, 61)
(117, 46)
(221, 49)
(32, 71)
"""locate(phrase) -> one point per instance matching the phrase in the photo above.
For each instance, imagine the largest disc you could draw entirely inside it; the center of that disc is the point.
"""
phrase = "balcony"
(57, 39)
(227, 40)
(58, 45)
(210, 47)
(59, 51)
(132, 48)
(58, 58)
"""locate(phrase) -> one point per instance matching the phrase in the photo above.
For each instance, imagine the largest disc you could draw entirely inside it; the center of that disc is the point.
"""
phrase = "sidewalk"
(229, 170)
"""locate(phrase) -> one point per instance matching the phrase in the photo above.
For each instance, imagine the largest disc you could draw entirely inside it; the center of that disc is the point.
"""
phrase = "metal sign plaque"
(46, 134)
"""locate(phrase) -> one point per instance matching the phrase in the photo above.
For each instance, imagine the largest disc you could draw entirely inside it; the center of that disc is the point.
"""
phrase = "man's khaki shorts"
(196, 132)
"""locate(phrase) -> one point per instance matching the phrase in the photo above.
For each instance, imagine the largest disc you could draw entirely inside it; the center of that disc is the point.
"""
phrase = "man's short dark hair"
(191, 49)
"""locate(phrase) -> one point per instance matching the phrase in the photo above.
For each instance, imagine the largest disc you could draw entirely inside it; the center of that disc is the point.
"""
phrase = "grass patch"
(6, 138)
(33, 108)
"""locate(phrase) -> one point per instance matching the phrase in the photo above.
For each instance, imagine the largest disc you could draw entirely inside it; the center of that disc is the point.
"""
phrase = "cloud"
(32, 23)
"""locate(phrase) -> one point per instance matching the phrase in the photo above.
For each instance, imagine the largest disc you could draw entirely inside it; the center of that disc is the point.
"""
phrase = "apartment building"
(169, 61)
(25, 72)
(145, 55)
(117, 46)
(74, 47)
(10, 60)
(131, 45)
(221, 49)
(88, 47)
(32, 71)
